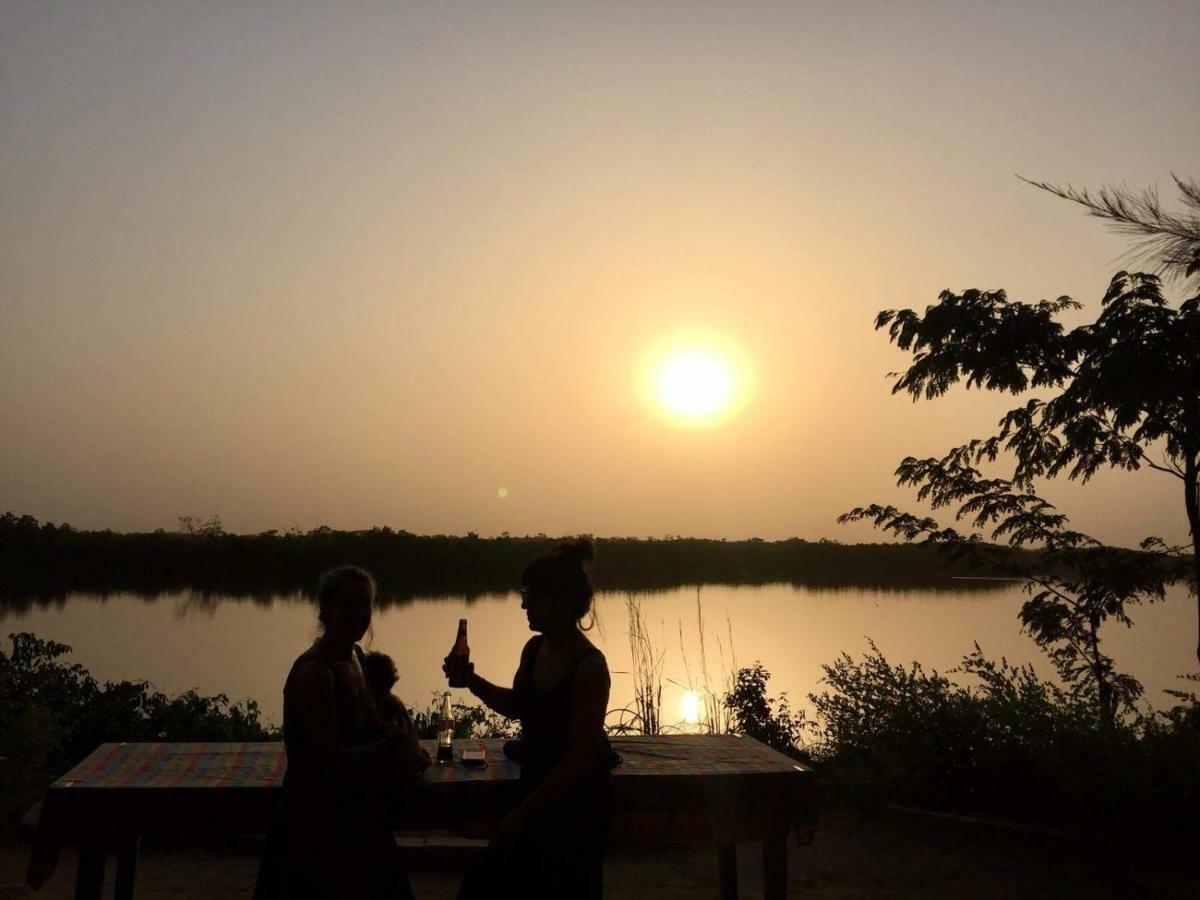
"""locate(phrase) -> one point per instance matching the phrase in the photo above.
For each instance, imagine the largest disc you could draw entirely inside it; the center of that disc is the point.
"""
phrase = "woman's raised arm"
(501, 699)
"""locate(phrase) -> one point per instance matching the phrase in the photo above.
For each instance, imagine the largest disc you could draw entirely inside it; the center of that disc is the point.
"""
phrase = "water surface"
(243, 647)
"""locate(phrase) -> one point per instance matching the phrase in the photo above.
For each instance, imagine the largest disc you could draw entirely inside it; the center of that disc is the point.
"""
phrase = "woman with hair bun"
(552, 843)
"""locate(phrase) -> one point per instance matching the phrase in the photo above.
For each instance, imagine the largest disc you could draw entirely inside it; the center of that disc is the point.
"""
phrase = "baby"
(380, 673)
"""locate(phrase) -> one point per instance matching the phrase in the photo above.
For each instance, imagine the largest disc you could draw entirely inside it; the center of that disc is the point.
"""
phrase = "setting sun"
(694, 383)
(695, 379)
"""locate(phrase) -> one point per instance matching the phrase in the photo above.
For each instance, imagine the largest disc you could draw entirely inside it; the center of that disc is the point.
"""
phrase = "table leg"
(775, 868)
(89, 873)
(727, 871)
(126, 867)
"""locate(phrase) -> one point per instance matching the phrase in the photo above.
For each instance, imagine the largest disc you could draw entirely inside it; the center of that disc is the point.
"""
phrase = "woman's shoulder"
(591, 678)
(590, 653)
(310, 670)
(309, 658)
(591, 668)
(531, 647)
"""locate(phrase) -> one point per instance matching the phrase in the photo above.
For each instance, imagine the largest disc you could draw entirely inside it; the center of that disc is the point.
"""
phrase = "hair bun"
(580, 548)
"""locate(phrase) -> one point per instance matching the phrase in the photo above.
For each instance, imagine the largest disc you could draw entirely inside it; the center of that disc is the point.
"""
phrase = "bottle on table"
(460, 657)
(445, 747)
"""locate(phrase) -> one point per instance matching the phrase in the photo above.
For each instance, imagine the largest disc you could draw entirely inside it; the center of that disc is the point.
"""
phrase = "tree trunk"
(1104, 692)
(1191, 500)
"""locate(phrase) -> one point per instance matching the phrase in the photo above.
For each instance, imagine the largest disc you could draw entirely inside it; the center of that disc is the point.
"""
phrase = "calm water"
(243, 648)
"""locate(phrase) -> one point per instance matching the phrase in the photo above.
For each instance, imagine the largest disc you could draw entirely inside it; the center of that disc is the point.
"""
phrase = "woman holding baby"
(347, 763)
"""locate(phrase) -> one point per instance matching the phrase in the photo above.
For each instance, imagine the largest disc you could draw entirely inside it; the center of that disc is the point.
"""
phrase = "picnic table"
(710, 790)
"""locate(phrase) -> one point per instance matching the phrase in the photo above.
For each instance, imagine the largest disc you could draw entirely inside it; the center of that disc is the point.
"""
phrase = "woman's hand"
(457, 670)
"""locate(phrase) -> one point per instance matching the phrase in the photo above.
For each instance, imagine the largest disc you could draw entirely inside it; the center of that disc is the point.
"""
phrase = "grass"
(715, 716)
(645, 716)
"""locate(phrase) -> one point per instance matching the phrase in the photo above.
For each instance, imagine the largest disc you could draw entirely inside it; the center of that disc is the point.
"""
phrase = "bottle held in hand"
(445, 747)
(458, 663)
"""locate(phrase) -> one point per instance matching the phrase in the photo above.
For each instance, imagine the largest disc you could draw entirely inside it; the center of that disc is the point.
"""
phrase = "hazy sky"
(369, 263)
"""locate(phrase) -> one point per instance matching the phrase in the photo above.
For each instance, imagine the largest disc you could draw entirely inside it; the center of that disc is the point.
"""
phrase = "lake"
(243, 647)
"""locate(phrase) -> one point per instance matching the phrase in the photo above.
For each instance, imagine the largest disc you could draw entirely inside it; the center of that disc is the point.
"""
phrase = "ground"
(853, 856)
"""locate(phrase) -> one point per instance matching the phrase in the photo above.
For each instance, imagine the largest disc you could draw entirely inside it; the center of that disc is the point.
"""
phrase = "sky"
(404, 264)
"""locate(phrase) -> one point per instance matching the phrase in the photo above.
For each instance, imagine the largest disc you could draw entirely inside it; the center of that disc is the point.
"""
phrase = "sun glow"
(694, 381)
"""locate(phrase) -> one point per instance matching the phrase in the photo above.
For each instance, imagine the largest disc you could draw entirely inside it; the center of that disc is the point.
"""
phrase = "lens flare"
(690, 707)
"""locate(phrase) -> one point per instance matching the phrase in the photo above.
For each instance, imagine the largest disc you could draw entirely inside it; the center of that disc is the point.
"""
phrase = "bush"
(763, 718)
(470, 720)
(1007, 743)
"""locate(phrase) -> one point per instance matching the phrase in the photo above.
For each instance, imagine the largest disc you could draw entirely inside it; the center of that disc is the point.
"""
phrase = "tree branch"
(1172, 241)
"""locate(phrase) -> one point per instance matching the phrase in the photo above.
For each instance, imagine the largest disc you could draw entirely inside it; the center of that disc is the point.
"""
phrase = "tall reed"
(647, 660)
(715, 717)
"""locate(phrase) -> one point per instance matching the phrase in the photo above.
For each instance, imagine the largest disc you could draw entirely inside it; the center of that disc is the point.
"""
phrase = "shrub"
(470, 720)
(1006, 743)
(765, 719)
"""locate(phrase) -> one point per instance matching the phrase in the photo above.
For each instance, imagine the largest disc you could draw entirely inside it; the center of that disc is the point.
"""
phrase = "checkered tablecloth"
(183, 765)
(261, 765)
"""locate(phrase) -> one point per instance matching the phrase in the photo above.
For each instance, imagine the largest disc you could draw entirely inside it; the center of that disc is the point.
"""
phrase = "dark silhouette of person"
(552, 844)
(346, 769)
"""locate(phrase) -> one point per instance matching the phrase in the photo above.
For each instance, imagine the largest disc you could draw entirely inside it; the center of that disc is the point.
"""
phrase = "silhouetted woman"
(552, 844)
(345, 769)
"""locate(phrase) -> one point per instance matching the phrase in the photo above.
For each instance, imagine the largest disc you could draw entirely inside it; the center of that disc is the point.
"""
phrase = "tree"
(194, 526)
(1120, 392)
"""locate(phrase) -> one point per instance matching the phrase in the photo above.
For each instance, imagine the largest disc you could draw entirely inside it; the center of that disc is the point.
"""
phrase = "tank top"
(545, 716)
(357, 721)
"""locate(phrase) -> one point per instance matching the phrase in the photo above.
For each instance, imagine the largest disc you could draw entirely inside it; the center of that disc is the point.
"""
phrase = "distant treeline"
(43, 560)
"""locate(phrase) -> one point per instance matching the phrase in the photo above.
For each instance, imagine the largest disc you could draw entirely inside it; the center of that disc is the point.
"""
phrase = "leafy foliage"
(763, 718)
(1121, 392)
(1122, 388)
(1126, 381)
(1006, 742)
(470, 720)
(1074, 586)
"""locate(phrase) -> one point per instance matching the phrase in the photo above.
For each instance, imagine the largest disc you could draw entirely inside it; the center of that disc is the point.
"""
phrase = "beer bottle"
(445, 748)
(460, 657)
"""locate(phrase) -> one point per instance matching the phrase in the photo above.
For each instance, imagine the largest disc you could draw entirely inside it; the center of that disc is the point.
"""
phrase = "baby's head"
(380, 672)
